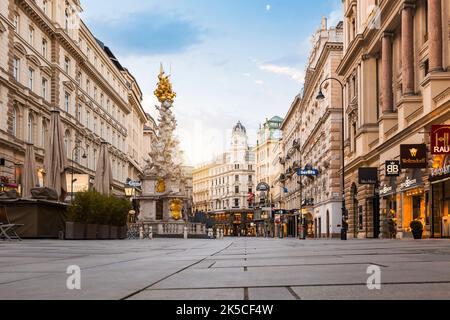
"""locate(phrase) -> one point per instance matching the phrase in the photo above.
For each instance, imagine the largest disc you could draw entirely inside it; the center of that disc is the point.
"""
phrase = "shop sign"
(263, 187)
(440, 171)
(135, 184)
(307, 172)
(368, 175)
(392, 168)
(408, 183)
(384, 190)
(440, 139)
(413, 156)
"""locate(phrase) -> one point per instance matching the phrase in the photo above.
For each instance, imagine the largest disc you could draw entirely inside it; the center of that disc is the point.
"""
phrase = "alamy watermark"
(73, 281)
(374, 279)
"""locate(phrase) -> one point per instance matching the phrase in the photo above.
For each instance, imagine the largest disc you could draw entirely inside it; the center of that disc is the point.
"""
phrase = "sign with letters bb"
(392, 168)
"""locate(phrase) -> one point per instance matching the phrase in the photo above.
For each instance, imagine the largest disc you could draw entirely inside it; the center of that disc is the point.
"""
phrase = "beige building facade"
(268, 168)
(320, 135)
(50, 60)
(395, 69)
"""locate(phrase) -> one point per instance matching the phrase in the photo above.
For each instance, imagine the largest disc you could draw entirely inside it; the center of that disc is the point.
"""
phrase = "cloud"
(268, 7)
(293, 73)
(334, 17)
(147, 33)
(259, 82)
(248, 75)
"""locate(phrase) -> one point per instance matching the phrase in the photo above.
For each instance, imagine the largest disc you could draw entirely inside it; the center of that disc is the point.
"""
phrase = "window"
(95, 94)
(66, 16)
(44, 88)
(79, 113)
(101, 130)
(236, 178)
(14, 121)
(30, 78)
(67, 143)
(88, 87)
(30, 128)
(67, 65)
(250, 178)
(43, 133)
(107, 106)
(31, 36)
(44, 48)
(101, 100)
(88, 53)
(236, 189)
(88, 119)
(95, 158)
(88, 162)
(17, 22)
(16, 69)
(67, 102)
(95, 125)
(236, 203)
(45, 6)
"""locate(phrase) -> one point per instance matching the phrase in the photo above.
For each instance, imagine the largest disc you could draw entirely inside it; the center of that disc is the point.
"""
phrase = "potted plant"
(91, 199)
(119, 213)
(76, 220)
(417, 229)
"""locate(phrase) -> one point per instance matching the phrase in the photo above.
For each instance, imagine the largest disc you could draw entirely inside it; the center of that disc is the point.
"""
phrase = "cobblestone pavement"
(233, 269)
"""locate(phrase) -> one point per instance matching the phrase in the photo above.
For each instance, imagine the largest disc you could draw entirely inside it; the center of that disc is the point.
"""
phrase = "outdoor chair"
(7, 229)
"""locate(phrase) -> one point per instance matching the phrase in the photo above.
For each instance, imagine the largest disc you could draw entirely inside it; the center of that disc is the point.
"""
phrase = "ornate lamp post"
(321, 96)
(84, 156)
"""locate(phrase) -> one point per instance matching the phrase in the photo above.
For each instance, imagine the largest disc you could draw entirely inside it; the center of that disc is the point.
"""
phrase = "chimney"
(324, 23)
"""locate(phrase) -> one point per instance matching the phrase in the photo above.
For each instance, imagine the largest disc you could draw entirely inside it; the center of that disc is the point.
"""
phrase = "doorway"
(328, 224)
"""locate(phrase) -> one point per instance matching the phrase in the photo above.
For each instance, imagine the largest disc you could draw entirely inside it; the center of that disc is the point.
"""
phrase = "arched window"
(44, 133)
(67, 143)
(30, 128)
(15, 121)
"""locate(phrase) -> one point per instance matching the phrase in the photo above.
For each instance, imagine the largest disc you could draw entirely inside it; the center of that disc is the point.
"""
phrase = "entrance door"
(320, 228)
(328, 224)
(376, 216)
(159, 210)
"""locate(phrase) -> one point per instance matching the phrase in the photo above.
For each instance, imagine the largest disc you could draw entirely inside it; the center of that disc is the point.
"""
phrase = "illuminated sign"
(440, 139)
(392, 168)
(413, 156)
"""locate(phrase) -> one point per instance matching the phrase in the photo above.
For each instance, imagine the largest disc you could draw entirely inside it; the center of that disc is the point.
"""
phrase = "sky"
(229, 60)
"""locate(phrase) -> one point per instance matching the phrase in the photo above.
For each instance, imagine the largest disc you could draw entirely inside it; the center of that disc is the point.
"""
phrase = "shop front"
(388, 204)
(440, 186)
(414, 203)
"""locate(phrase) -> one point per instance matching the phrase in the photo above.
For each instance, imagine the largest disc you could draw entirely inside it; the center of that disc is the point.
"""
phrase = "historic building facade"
(291, 157)
(320, 132)
(267, 159)
(395, 68)
(226, 186)
(50, 60)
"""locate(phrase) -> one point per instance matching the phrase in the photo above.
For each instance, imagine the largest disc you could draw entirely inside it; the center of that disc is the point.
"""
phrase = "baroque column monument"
(164, 186)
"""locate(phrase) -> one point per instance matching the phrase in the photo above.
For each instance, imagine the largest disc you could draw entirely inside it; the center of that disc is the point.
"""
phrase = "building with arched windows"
(225, 187)
(49, 59)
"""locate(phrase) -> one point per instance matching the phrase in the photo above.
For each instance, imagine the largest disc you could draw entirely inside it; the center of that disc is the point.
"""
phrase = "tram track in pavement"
(174, 273)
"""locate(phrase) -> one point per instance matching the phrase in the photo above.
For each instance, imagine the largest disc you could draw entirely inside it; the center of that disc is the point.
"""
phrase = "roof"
(276, 119)
(110, 54)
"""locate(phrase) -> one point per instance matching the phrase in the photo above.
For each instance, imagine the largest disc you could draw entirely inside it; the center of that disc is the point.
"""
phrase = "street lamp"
(321, 96)
(84, 156)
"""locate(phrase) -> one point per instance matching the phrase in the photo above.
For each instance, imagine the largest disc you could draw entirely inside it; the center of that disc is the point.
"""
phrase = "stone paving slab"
(188, 294)
(232, 268)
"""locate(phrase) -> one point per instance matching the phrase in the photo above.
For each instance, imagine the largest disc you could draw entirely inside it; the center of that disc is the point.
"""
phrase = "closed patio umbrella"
(55, 160)
(29, 171)
(103, 174)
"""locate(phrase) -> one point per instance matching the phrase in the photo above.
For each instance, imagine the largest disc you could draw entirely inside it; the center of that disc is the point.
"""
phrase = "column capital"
(408, 4)
(387, 34)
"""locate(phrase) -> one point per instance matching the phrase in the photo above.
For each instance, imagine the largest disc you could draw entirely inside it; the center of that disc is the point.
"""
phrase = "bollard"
(185, 232)
(141, 232)
(217, 234)
(150, 233)
(221, 233)
(210, 233)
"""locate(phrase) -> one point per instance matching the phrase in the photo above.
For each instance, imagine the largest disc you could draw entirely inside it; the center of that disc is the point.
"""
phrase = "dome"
(239, 128)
